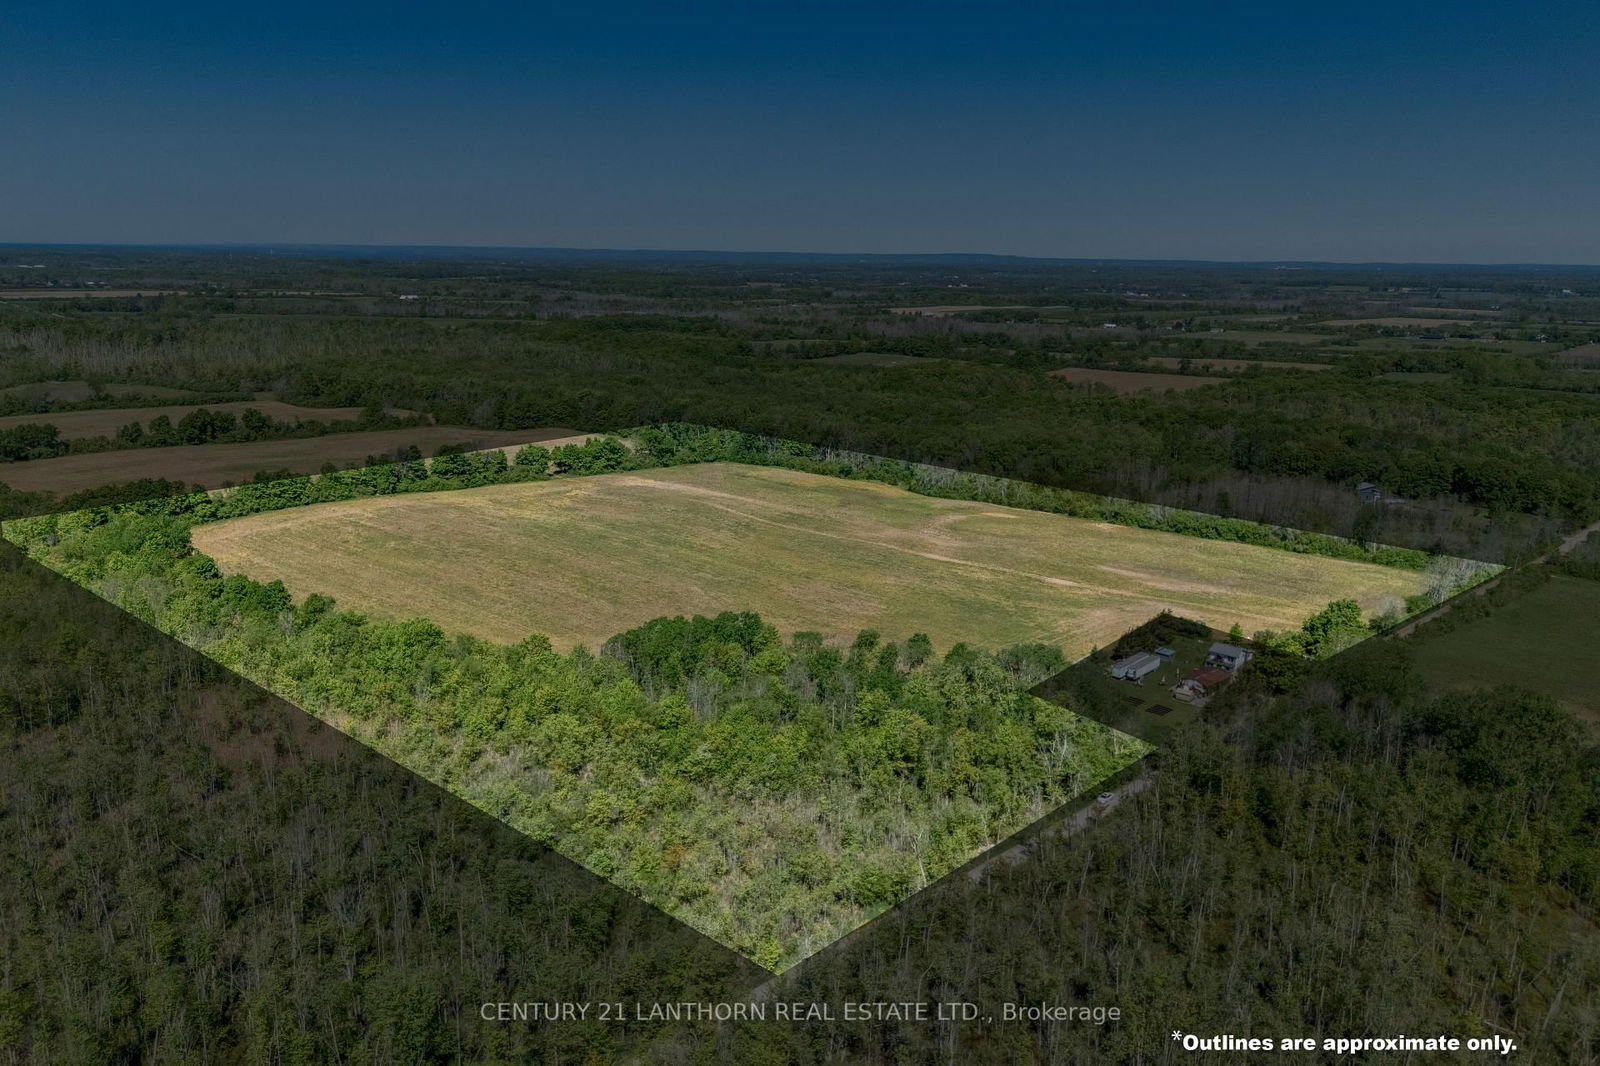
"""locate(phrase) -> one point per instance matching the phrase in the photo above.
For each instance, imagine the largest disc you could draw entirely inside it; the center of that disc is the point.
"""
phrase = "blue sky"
(1404, 132)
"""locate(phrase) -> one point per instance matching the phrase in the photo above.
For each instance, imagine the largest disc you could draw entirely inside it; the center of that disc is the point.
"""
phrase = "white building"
(1135, 667)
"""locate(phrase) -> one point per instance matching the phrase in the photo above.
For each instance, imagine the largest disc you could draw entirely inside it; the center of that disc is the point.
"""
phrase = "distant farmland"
(581, 560)
(1398, 322)
(1584, 355)
(1132, 380)
(875, 359)
(1250, 338)
(78, 391)
(1236, 364)
(105, 422)
(80, 294)
(213, 465)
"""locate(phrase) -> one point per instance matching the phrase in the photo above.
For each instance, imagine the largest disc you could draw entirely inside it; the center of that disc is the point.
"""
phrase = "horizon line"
(772, 255)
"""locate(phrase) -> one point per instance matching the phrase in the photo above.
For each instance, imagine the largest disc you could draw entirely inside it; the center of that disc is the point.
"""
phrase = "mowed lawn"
(1541, 641)
(583, 559)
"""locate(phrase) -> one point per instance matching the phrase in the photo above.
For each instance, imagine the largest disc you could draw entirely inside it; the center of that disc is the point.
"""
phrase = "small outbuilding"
(1227, 656)
(1200, 684)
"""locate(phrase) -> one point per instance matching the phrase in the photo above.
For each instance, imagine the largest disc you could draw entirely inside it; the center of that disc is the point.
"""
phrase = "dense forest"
(1347, 856)
(193, 870)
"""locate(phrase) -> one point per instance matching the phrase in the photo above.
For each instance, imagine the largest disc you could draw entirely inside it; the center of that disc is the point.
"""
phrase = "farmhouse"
(1136, 667)
(1199, 684)
(1370, 492)
(1227, 656)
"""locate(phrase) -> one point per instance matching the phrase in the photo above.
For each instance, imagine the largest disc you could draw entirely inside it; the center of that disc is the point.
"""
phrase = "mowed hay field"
(583, 559)
(214, 465)
(1132, 380)
(1534, 642)
(106, 422)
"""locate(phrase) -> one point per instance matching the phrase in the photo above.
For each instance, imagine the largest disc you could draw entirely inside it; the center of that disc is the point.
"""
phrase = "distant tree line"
(200, 426)
(1506, 450)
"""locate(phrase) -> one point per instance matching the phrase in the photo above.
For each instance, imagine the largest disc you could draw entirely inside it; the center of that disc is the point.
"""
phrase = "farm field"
(1397, 321)
(580, 560)
(1534, 642)
(214, 465)
(106, 421)
(1584, 355)
(1457, 312)
(943, 310)
(874, 359)
(78, 294)
(1253, 338)
(1236, 364)
(78, 391)
(1132, 380)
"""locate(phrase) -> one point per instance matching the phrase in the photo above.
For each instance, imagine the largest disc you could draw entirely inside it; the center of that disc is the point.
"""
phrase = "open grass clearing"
(1132, 380)
(1538, 641)
(105, 422)
(582, 559)
(214, 465)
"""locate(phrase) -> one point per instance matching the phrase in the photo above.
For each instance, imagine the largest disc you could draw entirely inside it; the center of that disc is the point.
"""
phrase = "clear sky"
(1225, 130)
